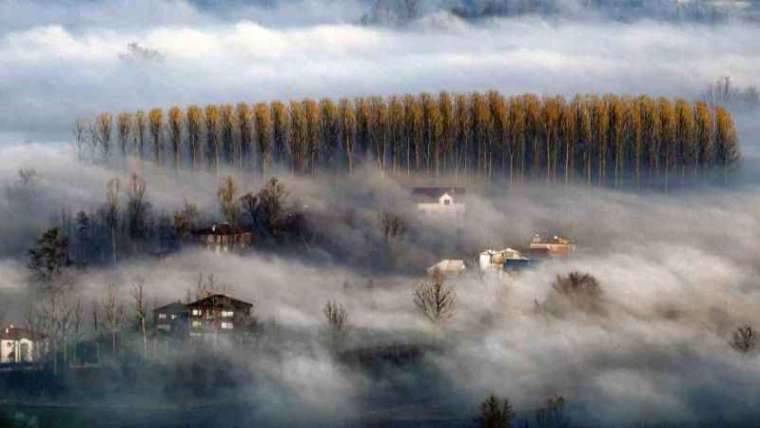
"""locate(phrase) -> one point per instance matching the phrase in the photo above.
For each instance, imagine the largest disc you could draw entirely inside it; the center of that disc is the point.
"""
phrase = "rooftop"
(15, 333)
(437, 192)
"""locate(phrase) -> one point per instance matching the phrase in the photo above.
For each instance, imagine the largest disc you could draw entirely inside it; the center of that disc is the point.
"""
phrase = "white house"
(447, 267)
(440, 201)
(495, 259)
(19, 345)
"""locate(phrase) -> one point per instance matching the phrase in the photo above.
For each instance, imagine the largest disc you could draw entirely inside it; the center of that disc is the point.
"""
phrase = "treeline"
(404, 11)
(605, 140)
(127, 226)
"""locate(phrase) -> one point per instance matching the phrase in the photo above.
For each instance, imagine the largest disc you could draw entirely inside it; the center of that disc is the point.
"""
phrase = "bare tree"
(207, 285)
(577, 283)
(435, 300)
(103, 125)
(113, 313)
(112, 211)
(579, 290)
(495, 413)
(392, 225)
(552, 415)
(227, 194)
(744, 339)
(137, 208)
(335, 315)
(54, 314)
(141, 312)
(80, 141)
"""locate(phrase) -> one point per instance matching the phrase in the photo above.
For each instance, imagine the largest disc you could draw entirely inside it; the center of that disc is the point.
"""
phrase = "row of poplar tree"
(606, 140)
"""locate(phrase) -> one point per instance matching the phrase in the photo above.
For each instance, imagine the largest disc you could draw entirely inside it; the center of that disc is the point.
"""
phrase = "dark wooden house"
(223, 238)
(171, 319)
(218, 313)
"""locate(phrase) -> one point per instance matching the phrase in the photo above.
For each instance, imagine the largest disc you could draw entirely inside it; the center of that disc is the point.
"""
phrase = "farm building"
(20, 345)
(555, 246)
(223, 238)
(440, 201)
(447, 267)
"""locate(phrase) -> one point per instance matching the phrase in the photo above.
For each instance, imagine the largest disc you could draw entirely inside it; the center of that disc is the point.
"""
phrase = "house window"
(226, 325)
(227, 314)
(162, 316)
(197, 324)
(447, 202)
(174, 316)
(197, 312)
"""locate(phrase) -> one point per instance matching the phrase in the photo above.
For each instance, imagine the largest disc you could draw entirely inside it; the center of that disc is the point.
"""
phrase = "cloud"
(245, 59)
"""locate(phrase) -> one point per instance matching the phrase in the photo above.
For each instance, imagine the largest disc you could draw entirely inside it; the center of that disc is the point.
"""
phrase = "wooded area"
(604, 140)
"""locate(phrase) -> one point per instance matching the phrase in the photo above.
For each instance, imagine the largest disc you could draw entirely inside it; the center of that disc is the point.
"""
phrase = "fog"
(678, 270)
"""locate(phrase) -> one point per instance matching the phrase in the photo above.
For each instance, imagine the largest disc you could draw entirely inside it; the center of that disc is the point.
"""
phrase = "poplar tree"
(650, 135)
(139, 125)
(212, 137)
(396, 131)
(155, 123)
(413, 131)
(601, 126)
(726, 148)
(567, 139)
(635, 143)
(499, 119)
(617, 114)
(297, 137)
(175, 134)
(103, 126)
(516, 144)
(347, 131)
(584, 135)
(123, 125)
(685, 145)
(243, 113)
(194, 118)
(263, 122)
(280, 122)
(704, 134)
(378, 129)
(667, 136)
(228, 126)
(463, 124)
(329, 132)
(448, 129)
(361, 107)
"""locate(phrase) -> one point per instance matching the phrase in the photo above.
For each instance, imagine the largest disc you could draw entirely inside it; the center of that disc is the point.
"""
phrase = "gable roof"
(448, 265)
(434, 193)
(174, 307)
(15, 333)
(219, 301)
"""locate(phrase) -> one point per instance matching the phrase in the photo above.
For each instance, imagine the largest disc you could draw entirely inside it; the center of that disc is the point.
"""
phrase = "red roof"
(15, 333)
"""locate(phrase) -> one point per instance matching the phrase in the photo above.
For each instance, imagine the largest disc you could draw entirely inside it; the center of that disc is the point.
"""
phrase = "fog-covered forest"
(156, 155)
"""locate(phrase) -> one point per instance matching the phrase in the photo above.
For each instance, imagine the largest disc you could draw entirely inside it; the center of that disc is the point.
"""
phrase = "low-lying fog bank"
(677, 272)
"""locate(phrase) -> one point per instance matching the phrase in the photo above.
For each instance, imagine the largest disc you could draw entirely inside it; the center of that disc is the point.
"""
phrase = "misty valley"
(379, 213)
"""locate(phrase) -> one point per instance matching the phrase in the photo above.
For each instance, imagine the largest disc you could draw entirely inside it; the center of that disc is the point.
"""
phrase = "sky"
(61, 61)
